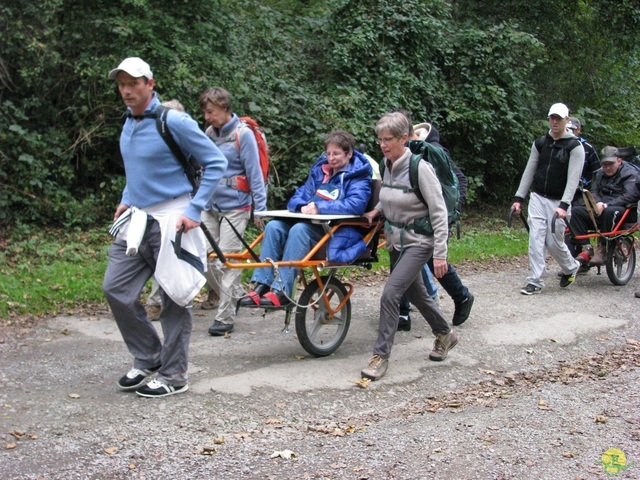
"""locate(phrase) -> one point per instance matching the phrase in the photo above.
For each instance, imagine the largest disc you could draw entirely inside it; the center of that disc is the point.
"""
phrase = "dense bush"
(301, 69)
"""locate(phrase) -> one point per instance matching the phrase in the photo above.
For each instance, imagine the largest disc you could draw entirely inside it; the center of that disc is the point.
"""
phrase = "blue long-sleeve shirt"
(154, 174)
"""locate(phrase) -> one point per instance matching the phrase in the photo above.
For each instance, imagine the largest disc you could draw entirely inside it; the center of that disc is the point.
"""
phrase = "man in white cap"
(551, 176)
(156, 203)
(616, 186)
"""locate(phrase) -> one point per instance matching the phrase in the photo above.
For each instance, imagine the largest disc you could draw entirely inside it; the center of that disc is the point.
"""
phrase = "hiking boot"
(463, 309)
(158, 388)
(212, 301)
(600, 256)
(218, 329)
(585, 256)
(252, 299)
(442, 344)
(376, 369)
(530, 289)
(404, 323)
(566, 280)
(153, 312)
(135, 378)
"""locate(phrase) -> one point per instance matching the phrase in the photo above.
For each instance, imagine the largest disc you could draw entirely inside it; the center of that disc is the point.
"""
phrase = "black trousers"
(581, 223)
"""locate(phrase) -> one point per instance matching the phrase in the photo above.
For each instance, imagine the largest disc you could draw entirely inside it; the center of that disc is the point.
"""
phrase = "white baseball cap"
(134, 66)
(559, 109)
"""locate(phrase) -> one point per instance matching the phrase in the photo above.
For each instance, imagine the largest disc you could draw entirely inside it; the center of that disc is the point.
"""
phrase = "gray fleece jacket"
(402, 207)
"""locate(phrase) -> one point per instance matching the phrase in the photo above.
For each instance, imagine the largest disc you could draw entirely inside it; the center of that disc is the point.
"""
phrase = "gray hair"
(175, 104)
(395, 123)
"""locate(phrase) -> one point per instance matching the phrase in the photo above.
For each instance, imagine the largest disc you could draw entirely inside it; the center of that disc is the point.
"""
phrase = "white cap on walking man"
(134, 66)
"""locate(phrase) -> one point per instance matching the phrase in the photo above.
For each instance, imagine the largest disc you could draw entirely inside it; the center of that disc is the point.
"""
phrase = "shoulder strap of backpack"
(165, 133)
(414, 176)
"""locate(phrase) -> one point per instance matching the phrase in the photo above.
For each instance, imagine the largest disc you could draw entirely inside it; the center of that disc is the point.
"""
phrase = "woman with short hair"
(414, 232)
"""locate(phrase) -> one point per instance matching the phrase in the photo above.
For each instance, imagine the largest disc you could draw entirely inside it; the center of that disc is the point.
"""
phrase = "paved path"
(260, 392)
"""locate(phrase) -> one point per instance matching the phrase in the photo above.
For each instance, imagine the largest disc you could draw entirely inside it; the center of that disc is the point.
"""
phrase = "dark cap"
(609, 154)
(574, 123)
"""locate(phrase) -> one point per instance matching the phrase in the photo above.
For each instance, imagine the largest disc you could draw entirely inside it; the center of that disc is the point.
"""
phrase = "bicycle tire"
(318, 334)
(621, 260)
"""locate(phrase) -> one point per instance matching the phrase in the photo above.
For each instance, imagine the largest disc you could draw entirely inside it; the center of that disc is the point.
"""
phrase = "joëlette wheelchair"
(619, 243)
(323, 309)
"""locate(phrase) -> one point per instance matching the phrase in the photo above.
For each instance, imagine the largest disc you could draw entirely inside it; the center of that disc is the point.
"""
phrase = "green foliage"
(44, 271)
(590, 51)
(482, 72)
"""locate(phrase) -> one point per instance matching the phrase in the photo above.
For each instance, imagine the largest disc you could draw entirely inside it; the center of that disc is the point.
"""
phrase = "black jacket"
(620, 189)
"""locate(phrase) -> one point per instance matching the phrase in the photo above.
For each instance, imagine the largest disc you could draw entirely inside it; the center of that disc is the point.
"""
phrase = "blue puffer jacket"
(345, 193)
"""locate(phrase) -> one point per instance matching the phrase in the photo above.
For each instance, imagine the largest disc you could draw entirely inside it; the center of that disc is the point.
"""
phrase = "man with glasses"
(616, 186)
(551, 175)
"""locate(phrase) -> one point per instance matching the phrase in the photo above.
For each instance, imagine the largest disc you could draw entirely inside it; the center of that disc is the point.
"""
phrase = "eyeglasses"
(386, 140)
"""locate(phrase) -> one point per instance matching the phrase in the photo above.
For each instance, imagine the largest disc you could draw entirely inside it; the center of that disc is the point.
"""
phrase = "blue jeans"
(285, 241)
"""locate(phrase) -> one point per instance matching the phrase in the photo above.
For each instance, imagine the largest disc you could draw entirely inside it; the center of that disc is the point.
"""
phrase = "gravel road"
(539, 387)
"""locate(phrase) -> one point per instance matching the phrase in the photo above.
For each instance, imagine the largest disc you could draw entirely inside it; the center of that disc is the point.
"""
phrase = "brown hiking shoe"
(212, 301)
(442, 345)
(600, 255)
(376, 369)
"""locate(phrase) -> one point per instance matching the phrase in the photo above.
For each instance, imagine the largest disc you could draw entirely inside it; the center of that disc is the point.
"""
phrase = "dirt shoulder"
(538, 387)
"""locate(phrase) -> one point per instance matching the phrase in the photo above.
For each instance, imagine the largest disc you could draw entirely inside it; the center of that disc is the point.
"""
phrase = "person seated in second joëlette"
(339, 183)
(616, 186)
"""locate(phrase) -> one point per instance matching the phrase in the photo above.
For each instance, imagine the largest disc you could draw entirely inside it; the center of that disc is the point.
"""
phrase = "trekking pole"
(213, 243)
(177, 244)
(553, 224)
(240, 237)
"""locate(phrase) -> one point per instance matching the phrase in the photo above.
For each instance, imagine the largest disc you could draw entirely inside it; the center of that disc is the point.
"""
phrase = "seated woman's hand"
(309, 209)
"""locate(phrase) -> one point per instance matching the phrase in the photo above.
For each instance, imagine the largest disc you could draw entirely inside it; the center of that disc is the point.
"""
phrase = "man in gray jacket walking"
(551, 176)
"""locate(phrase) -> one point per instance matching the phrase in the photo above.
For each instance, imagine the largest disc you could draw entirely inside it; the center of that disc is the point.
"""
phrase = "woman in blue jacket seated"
(339, 183)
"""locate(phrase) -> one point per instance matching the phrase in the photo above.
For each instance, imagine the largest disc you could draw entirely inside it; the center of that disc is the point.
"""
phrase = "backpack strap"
(540, 143)
(165, 133)
(414, 176)
(189, 166)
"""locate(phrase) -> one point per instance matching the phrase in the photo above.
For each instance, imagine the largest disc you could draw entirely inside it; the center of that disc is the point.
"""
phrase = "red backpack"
(261, 140)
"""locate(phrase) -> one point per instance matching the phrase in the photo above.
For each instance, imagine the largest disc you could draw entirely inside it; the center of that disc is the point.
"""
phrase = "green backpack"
(439, 159)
